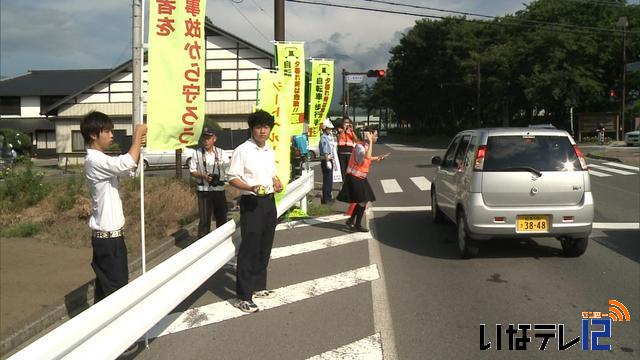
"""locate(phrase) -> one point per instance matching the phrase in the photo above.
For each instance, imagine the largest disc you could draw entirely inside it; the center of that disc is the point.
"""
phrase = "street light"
(624, 24)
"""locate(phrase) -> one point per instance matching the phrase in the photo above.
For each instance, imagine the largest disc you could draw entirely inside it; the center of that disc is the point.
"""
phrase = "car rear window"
(543, 153)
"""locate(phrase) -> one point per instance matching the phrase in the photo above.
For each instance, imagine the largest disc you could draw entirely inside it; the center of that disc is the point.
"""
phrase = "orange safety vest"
(347, 139)
(358, 170)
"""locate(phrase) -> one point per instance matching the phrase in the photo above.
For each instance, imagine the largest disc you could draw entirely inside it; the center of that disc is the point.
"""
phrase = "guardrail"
(106, 329)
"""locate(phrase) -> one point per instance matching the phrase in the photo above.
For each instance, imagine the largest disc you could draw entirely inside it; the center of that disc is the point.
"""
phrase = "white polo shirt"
(216, 160)
(102, 173)
(254, 165)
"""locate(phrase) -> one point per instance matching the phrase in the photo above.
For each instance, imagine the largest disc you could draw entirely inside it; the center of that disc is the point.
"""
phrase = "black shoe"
(359, 228)
(247, 306)
(350, 223)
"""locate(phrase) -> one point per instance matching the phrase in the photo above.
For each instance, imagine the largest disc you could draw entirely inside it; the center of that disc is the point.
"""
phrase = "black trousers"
(258, 217)
(211, 203)
(327, 181)
(344, 161)
(110, 265)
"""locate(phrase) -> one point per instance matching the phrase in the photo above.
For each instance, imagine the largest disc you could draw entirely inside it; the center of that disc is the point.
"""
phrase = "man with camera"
(209, 166)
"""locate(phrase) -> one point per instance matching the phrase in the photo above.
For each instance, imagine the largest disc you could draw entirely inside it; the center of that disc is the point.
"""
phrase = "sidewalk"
(617, 152)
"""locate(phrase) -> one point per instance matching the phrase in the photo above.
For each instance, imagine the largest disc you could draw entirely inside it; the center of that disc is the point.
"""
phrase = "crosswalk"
(611, 168)
(223, 311)
(390, 186)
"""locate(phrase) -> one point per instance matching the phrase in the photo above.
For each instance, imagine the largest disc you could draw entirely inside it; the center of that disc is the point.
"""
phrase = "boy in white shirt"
(107, 219)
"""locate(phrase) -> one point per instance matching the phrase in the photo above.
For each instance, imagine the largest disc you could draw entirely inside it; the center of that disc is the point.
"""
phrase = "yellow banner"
(319, 96)
(176, 71)
(290, 58)
(274, 98)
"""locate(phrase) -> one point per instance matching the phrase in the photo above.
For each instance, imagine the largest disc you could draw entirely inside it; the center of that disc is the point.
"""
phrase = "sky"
(90, 34)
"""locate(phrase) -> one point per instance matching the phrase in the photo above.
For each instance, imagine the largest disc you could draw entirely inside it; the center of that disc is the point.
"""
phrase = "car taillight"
(482, 151)
(583, 161)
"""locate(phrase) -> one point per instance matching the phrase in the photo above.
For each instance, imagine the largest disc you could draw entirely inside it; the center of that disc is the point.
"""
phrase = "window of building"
(77, 141)
(46, 101)
(9, 105)
(213, 79)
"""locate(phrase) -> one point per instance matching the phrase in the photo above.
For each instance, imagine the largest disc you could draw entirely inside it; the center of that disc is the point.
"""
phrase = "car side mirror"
(436, 160)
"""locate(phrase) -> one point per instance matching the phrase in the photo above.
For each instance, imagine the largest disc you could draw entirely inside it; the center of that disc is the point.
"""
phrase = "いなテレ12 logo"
(596, 325)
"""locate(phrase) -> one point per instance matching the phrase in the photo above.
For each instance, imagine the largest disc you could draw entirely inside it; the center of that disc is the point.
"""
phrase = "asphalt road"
(403, 292)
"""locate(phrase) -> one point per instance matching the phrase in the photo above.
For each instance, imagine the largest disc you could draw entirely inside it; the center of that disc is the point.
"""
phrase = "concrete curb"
(78, 300)
(599, 157)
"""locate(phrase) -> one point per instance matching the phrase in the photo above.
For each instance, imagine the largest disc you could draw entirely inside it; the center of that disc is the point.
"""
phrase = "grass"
(26, 229)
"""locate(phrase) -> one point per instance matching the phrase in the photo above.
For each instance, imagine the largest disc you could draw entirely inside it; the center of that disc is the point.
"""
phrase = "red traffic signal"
(375, 73)
(612, 93)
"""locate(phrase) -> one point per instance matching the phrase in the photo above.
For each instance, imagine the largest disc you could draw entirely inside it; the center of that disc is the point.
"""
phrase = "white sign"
(354, 78)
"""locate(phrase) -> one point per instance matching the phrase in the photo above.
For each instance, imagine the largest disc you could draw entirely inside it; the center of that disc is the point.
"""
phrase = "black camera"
(215, 180)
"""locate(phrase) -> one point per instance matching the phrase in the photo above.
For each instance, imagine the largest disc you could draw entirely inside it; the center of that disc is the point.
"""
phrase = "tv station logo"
(596, 329)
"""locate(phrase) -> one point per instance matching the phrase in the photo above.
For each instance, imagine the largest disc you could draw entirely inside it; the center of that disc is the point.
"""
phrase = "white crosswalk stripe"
(369, 348)
(598, 173)
(609, 169)
(224, 310)
(390, 186)
(421, 182)
(623, 166)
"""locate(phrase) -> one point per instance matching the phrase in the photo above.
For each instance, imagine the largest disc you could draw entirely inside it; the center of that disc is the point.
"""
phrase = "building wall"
(30, 106)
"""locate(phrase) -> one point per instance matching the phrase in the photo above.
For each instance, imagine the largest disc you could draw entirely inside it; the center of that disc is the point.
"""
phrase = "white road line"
(606, 168)
(617, 226)
(597, 173)
(306, 247)
(390, 186)
(401, 208)
(224, 310)
(369, 348)
(382, 321)
(624, 166)
(401, 147)
(311, 221)
(422, 183)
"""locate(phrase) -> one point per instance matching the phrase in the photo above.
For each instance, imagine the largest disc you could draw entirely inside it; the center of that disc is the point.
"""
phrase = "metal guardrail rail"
(106, 329)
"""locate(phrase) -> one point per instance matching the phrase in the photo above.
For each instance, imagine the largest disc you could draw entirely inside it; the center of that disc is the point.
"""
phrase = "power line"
(247, 19)
(499, 21)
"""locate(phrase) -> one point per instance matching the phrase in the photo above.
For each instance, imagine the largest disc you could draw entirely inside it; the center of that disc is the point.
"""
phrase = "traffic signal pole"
(278, 9)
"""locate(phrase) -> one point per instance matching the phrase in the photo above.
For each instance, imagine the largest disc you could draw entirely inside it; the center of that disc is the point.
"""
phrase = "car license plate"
(533, 223)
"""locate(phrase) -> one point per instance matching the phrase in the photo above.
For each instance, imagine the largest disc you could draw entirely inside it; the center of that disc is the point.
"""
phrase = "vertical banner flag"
(320, 92)
(176, 69)
(290, 60)
(274, 98)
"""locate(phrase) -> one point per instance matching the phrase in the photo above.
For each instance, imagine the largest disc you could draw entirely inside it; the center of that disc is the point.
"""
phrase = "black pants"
(211, 203)
(327, 181)
(110, 265)
(258, 217)
(344, 161)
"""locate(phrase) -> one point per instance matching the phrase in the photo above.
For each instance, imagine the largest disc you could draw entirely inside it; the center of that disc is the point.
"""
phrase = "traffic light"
(612, 95)
(375, 73)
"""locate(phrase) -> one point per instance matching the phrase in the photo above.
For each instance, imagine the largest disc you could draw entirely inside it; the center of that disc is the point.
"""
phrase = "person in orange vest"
(356, 188)
(346, 141)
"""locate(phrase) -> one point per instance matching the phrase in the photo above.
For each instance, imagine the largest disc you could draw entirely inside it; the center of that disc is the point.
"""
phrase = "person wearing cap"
(208, 166)
(253, 171)
(327, 162)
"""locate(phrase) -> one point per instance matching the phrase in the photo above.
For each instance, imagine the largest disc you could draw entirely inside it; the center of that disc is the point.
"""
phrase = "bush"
(21, 142)
(23, 189)
(26, 229)
(72, 189)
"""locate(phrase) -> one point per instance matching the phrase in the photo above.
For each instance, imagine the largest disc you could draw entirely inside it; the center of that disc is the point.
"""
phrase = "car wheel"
(436, 214)
(574, 247)
(467, 247)
(186, 163)
(145, 164)
(312, 155)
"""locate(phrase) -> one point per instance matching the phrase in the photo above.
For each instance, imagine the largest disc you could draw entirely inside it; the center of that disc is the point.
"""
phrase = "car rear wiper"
(521, 168)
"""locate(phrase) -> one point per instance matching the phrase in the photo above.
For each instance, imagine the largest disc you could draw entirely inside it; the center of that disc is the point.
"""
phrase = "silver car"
(514, 183)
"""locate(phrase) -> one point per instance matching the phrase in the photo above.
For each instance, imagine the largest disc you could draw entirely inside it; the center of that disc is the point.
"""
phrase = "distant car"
(154, 158)
(632, 138)
(514, 183)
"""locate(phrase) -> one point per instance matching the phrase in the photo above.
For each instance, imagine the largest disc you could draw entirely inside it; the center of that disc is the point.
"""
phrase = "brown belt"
(106, 234)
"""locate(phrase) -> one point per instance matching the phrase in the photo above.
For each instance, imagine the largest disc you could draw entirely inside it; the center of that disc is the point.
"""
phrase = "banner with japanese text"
(320, 93)
(291, 63)
(274, 98)
(176, 71)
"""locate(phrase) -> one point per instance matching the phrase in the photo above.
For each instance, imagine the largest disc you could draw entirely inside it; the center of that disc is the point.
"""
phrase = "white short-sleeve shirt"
(102, 173)
(254, 165)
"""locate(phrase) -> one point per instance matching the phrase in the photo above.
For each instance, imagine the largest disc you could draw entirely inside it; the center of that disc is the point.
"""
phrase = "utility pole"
(478, 97)
(278, 9)
(624, 24)
(345, 94)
